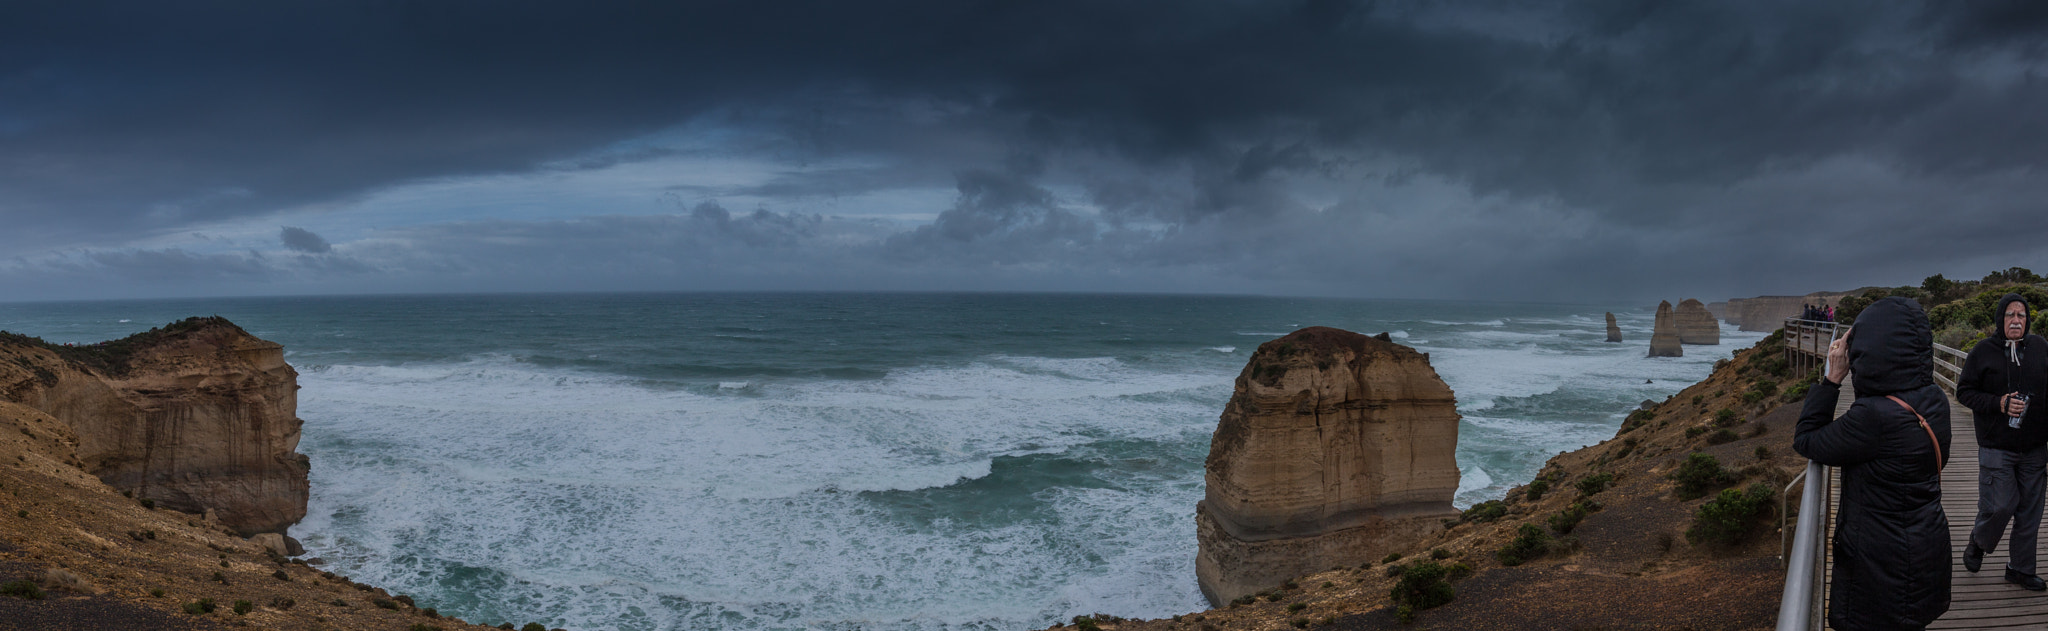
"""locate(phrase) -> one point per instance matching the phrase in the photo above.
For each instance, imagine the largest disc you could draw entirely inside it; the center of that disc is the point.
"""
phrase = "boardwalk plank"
(1977, 601)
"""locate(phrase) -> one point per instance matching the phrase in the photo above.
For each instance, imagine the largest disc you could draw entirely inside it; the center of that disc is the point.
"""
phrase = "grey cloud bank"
(1591, 150)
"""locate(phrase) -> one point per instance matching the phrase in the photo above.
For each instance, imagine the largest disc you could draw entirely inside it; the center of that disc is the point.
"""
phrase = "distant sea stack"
(1664, 334)
(1335, 449)
(197, 416)
(1613, 330)
(1695, 324)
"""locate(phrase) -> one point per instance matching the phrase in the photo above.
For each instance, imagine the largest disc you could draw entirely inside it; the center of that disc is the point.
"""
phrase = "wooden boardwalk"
(1977, 601)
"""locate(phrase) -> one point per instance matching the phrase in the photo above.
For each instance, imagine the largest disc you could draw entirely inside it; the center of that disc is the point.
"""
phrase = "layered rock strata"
(1664, 333)
(1695, 324)
(1767, 313)
(198, 417)
(1335, 449)
(1613, 330)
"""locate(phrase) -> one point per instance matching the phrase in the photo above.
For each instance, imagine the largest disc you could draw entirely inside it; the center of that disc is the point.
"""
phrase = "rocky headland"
(132, 474)
(1664, 339)
(1667, 525)
(1335, 448)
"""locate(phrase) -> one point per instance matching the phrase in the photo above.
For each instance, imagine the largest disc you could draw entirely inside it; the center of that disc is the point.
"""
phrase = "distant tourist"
(1891, 548)
(2002, 373)
(1829, 315)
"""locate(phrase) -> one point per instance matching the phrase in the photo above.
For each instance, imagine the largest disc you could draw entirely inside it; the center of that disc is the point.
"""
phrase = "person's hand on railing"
(1838, 357)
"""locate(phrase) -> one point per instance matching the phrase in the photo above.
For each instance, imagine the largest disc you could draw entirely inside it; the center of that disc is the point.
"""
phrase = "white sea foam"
(1223, 349)
(626, 506)
(1399, 334)
(732, 385)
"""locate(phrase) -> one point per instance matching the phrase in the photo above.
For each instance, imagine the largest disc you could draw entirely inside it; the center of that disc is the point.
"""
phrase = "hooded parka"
(1995, 368)
(1891, 548)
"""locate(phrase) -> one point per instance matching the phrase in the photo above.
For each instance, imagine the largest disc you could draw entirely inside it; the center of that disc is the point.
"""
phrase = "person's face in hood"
(2014, 322)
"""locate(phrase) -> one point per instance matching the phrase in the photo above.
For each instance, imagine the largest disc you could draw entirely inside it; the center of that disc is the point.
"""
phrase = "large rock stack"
(1664, 334)
(1613, 330)
(198, 417)
(1335, 449)
(1695, 324)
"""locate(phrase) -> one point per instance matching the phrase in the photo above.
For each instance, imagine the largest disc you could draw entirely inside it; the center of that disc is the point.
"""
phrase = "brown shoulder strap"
(1938, 464)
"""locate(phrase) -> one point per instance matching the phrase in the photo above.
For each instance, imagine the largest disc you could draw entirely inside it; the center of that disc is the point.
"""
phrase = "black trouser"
(2009, 488)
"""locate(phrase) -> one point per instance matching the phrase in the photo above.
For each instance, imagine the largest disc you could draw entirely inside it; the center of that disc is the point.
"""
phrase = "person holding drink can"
(2002, 374)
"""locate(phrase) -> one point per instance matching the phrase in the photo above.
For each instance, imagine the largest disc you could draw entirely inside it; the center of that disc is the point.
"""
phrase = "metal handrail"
(1800, 608)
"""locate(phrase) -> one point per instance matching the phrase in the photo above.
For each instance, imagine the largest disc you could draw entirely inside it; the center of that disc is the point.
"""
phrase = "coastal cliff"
(1613, 330)
(132, 473)
(1618, 534)
(1335, 448)
(198, 416)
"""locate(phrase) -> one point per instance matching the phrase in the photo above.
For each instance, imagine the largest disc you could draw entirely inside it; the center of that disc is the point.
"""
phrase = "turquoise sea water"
(837, 461)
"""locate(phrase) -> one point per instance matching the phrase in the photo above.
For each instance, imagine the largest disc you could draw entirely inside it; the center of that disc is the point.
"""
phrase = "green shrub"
(1722, 436)
(242, 607)
(1595, 483)
(149, 503)
(1698, 399)
(1726, 417)
(280, 575)
(1733, 516)
(533, 626)
(1483, 512)
(156, 593)
(1694, 431)
(1564, 521)
(1395, 570)
(199, 607)
(343, 603)
(1296, 607)
(1458, 571)
(1439, 553)
(1700, 475)
(1391, 557)
(282, 602)
(1763, 453)
(383, 603)
(1529, 544)
(1798, 390)
(1085, 623)
(26, 590)
(1405, 613)
(430, 612)
(1423, 586)
(1537, 488)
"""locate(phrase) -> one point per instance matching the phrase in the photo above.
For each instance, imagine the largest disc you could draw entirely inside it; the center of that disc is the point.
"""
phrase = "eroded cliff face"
(1664, 333)
(1695, 324)
(1613, 330)
(197, 416)
(1335, 449)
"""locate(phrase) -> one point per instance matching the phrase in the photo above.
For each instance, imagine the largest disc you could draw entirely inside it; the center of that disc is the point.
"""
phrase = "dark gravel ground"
(66, 611)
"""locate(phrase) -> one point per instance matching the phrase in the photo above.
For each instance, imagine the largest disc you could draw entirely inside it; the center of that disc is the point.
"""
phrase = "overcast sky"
(1589, 151)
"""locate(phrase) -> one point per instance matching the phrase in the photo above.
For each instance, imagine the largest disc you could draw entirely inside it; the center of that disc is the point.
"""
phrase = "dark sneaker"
(2028, 581)
(1973, 558)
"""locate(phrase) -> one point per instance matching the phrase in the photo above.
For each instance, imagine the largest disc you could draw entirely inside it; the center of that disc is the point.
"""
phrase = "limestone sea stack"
(1664, 333)
(1695, 324)
(199, 416)
(1613, 330)
(1335, 448)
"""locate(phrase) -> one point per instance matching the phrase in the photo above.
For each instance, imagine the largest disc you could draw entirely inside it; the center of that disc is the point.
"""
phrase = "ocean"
(838, 461)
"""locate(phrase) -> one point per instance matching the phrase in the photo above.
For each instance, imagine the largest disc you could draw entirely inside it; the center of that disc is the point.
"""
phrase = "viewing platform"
(1977, 601)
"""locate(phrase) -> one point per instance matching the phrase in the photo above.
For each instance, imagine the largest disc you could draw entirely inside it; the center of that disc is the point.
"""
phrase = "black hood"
(1891, 348)
(1998, 316)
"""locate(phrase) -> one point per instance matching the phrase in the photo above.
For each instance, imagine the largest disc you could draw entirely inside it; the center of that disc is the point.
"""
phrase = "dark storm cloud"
(1193, 132)
(303, 240)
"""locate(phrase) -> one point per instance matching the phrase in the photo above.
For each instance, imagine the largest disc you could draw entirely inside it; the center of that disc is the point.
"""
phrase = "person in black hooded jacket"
(2012, 440)
(1891, 548)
